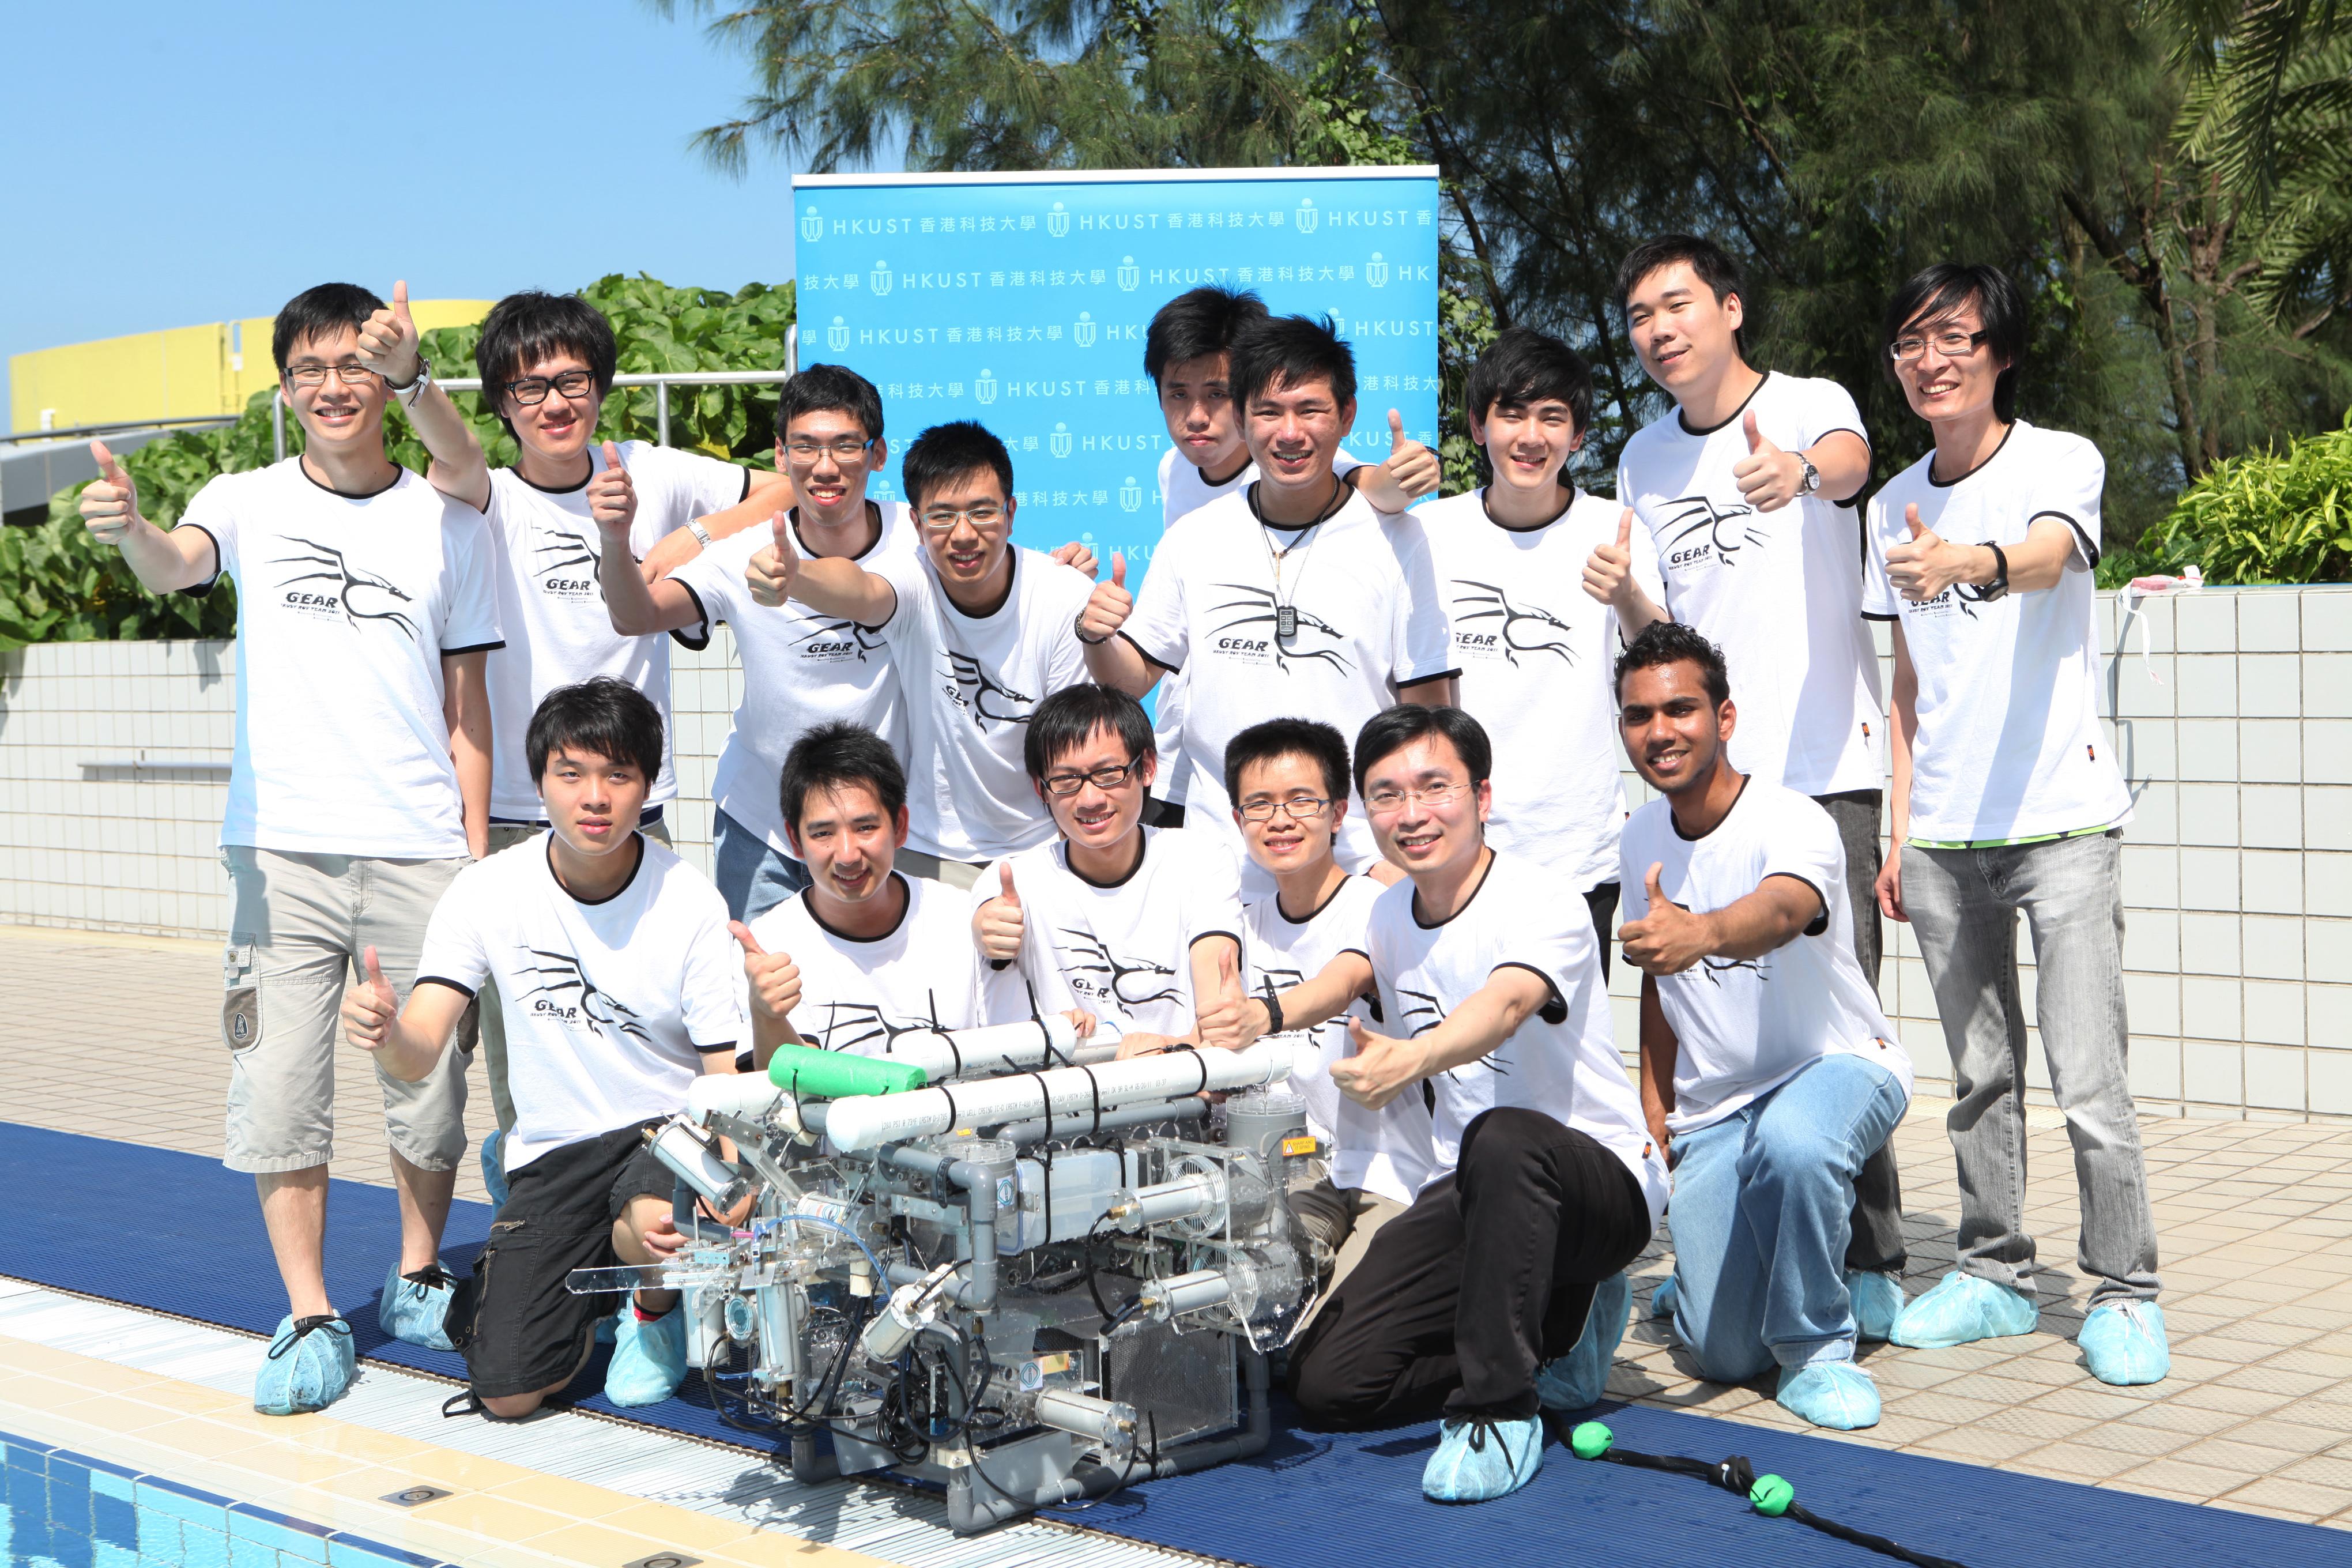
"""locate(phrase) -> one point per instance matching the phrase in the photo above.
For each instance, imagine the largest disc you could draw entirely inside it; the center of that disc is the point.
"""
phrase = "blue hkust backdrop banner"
(1021, 301)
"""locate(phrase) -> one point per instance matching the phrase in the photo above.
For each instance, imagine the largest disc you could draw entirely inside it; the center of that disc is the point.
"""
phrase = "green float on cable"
(836, 1075)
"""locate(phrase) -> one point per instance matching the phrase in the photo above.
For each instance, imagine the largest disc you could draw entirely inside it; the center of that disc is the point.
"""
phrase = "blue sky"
(173, 164)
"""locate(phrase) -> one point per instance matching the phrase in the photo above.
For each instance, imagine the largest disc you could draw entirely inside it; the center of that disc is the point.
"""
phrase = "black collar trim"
(1486, 872)
(838, 934)
(1684, 420)
(627, 883)
(1745, 780)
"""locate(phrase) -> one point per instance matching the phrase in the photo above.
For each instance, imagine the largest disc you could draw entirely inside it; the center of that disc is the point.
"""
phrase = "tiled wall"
(2236, 733)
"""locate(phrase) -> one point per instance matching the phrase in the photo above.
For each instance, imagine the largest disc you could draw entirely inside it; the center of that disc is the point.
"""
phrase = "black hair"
(1318, 742)
(836, 755)
(1670, 642)
(1288, 351)
(1713, 265)
(315, 312)
(1522, 366)
(609, 717)
(831, 389)
(1391, 730)
(1936, 292)
(1197, 323)
(533, 325)
(951, 451)
(1069, 718)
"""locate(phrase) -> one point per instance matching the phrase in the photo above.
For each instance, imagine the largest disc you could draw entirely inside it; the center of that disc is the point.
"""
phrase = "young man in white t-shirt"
(366, 612)
(624, 986)
(1543, 582)
(1138, 926)
(799, 670)
(1767, 1066)
(1746, 491)
(1289, 595)
(1288, 780)
(981, 630)
(1188, 354)
(1500, 1293)
(547, 362)
(864, 953)
(2007, 798)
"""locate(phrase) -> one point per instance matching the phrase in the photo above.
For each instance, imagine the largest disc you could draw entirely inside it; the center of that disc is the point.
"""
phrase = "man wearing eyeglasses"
(366, 612)
(2007, 799)
(799, 670)
(1137, 926)
(981, 630)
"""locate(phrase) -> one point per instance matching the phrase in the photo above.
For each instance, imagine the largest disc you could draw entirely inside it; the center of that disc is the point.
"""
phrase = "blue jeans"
(753, 876)
(1761, 1216)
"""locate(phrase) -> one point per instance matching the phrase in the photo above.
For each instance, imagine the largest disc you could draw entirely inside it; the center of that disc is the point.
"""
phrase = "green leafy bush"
(58, 585)
(2268, 517)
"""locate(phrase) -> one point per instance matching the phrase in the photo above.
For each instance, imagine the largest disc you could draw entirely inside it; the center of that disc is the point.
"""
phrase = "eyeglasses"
(533, 390)
(350, 375)
(1385, 801)
(848, 449)
(1302, 808)
(1104, 779)
(983, 515)
(1951, 345)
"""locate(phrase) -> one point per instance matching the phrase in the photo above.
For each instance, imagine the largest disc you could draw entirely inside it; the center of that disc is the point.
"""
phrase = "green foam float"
(837, 1075)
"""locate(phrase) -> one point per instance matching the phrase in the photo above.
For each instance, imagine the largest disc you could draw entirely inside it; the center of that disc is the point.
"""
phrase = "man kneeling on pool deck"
(1767, 1069)
(1501, 1291)
(621, 985)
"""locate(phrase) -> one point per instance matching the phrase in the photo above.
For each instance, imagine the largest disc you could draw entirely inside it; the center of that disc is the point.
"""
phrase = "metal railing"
(110, 427)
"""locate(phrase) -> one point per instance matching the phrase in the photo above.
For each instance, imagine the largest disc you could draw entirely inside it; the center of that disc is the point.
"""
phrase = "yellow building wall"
(179, 373)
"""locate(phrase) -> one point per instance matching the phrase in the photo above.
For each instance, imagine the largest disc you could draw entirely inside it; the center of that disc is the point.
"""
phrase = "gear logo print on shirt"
(980, 694)
(566, 565)
(1424, 1012)
(357, 594)
(1248, 635)
(839, 641)
(1130, 982)
(567, 997)
(1522, 628)
(1962, 596)
(854, 1026)
(1697, 531)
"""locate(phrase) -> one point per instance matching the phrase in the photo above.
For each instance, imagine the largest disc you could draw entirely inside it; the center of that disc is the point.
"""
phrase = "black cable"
(1769, 1495)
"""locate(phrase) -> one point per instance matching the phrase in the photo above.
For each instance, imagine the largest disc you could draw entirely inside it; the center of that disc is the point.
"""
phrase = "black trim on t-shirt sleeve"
(2090, 546)
(1405, 686)
(1205, 935)
(729, 1047)
(746, 494)
(474, 648)
(1819, 922)
(1171, 669)
(1554, 1012)
(683, 636)
(209, 584)
(462, 990)
(1873, 615)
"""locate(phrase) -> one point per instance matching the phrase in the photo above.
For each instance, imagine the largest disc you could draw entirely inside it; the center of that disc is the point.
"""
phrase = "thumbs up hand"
(1077, 555)
(613, 499)
(110, 503)
(1769, 477)
(1668, 938)
(773, 978)
(1108, 606)
(773, 570)
(1608, 572)
(1924, 565)
(997, 925)
(387, 343)
(1219, 1016)
(1411, 469)
(369, 1010)
(1379, 1067)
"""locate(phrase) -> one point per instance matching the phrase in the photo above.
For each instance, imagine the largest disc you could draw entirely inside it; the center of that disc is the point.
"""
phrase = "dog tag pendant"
(1285, 621)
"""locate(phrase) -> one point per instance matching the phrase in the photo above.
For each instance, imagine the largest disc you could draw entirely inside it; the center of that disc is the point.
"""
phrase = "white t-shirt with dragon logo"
(860, 993)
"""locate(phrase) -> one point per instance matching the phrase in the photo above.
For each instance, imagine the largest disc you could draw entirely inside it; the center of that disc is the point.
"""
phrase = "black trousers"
(1875, 1241)
(1463, 1297)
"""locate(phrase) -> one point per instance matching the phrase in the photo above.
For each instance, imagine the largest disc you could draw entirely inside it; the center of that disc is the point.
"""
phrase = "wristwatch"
(1811, 479)
(414, 388)
(702, 535)
(2000, 584)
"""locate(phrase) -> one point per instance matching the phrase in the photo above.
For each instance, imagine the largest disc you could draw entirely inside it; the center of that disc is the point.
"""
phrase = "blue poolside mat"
(188, 1239)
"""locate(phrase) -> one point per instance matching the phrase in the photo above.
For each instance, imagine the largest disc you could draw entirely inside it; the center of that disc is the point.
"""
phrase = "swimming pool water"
(65, 1509)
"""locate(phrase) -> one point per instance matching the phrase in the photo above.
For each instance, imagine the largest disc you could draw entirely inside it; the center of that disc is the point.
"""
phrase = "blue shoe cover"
(308, 1366)
(1877, 1301)
(494, 1168)
(412, 1308)
(1480, 1460)
(1837, 1394)
(608, 1327)
(2124, 1341)
(1578, 1380)
(648, 1358)
(1961, 1309)
(1662, 1300)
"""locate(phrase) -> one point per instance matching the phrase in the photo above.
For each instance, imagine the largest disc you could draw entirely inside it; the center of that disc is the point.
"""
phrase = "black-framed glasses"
(315, 375)
(533, 390)
(982, 515)
(847, 448)
(1299, 809)
(1104, 779)
(1385, 801)
(1954, 345)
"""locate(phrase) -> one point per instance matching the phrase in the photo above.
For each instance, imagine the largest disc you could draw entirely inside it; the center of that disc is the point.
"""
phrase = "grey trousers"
(1964, 904)
(1876, 1243)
